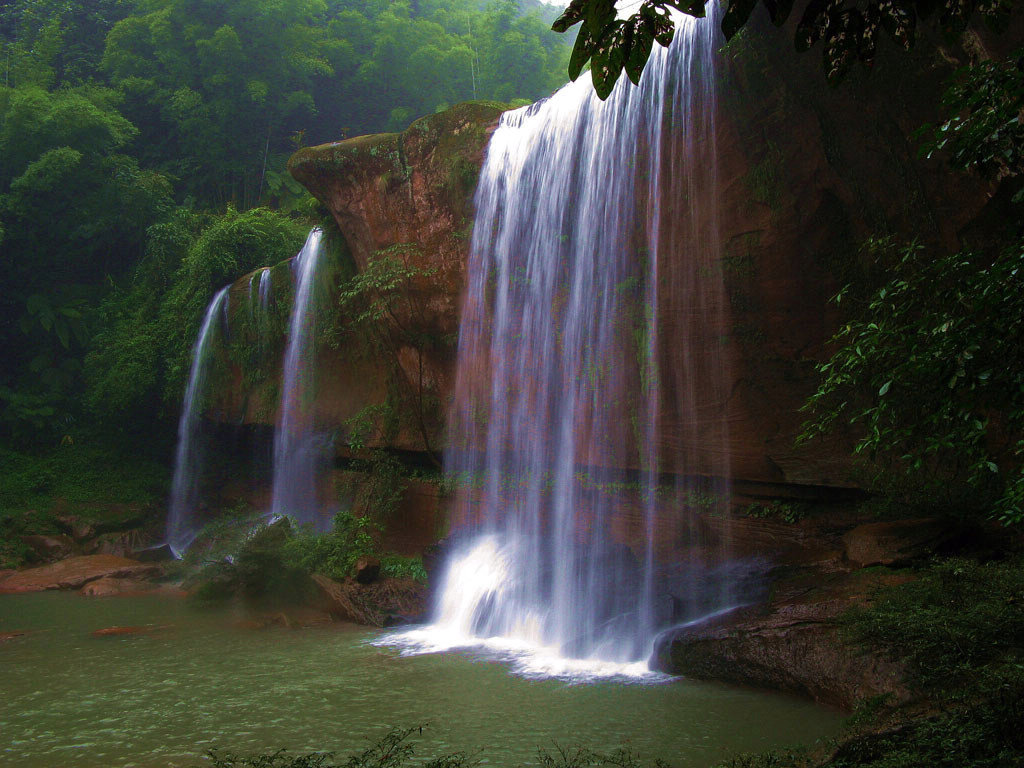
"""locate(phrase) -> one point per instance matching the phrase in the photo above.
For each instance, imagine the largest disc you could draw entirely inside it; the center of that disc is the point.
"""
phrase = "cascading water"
(263, 291)
(181, 523)
(561, 389)
(298, 449)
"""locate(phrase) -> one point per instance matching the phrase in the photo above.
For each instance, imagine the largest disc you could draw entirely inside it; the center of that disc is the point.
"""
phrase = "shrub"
(399, 567)
(334, 554)
(956, 623)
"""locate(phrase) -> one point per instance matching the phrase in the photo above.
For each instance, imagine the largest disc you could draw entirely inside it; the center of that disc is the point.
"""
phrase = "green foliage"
(399, 567)
(81, 475)
(262, 571)
(383, 307)
(985, 130)
(931, 369)
(13, 525)
(142, 356)
(113, 110)
(99, 485)
(956, 623)
(583, 757)
(334, 554)
(393, 750)
(982, 734)
(849, 31)
(787, 512)
(223, 92)
(377, 486)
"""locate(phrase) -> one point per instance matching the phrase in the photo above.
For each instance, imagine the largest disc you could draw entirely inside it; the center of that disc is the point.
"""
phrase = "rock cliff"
(805, 175)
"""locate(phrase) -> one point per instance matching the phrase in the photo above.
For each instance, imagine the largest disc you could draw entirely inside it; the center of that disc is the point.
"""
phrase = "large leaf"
(639, 52)
(842, 46)
(778, 10)
(736, 16)
(581, 52)
(597, 15)
(813, 24)
(695, 8)
(606, 65)
(573, 14)
(898, 19)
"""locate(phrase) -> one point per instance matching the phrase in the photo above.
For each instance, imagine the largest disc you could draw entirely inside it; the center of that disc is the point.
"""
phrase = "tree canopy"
(849, 30)
(145, 141)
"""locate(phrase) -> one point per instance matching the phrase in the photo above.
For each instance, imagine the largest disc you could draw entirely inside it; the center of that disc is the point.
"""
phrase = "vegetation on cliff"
(136, 136)
(142, 167)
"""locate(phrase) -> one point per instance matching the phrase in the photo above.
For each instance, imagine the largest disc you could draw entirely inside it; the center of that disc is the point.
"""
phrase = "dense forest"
(142, 154)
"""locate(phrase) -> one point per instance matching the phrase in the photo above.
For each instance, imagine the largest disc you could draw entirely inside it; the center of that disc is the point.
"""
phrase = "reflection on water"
(164, 698)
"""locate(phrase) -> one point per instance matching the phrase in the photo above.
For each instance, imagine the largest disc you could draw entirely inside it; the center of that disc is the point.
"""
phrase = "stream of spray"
(573, 311)
(182, 525)
(298, 449)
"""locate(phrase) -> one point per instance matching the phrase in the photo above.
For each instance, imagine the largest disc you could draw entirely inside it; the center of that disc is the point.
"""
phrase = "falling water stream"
(560, 388)
(298, 448)
(182, 525)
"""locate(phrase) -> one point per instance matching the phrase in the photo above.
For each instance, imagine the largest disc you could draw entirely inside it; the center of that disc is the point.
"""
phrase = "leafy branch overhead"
(849, 30)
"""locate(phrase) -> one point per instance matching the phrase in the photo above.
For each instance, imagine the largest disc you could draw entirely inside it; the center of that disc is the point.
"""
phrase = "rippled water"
(162, 699)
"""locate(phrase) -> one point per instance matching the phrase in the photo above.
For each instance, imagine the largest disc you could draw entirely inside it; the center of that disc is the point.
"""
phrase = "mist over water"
(591, 289)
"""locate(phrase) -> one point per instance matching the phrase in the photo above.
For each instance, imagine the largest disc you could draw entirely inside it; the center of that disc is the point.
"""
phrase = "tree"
(930, 366)
(849, 30)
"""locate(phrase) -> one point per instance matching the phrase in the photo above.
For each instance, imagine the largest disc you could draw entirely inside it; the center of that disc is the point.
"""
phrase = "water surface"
(162, 699)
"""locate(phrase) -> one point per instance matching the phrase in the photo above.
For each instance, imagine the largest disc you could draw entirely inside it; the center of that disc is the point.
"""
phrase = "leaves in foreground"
(395, 750)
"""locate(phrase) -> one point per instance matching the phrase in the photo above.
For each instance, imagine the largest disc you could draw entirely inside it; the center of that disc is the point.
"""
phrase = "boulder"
(145, 629)
(79, 529)
(895, 542)
(161, 553)
(367, 570)
(371, 604)
(109, 586)
(793, 644)
(49, 547)
(295, 618)
(75, 572)
(121, 544)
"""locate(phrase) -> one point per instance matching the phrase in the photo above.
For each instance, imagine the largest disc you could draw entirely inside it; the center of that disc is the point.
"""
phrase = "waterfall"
(593, 276)
(182, 526)
(263, 291)
(298, 449)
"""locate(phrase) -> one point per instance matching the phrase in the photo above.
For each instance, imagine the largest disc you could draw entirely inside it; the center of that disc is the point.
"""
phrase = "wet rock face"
(792, 644)
(804, 177)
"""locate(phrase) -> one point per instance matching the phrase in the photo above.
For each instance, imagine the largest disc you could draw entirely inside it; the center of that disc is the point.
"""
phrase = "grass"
(97, 484)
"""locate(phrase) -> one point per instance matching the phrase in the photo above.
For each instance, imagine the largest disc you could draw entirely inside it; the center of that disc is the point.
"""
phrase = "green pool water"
(70, 699)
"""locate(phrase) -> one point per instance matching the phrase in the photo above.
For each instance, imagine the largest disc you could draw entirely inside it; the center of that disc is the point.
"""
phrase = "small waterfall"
(259, 310)
(593, 269)
(298, 449)
(182, 526)
(263, 292)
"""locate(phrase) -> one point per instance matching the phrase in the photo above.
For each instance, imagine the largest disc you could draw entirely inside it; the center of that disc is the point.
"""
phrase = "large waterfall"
(592, 283)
